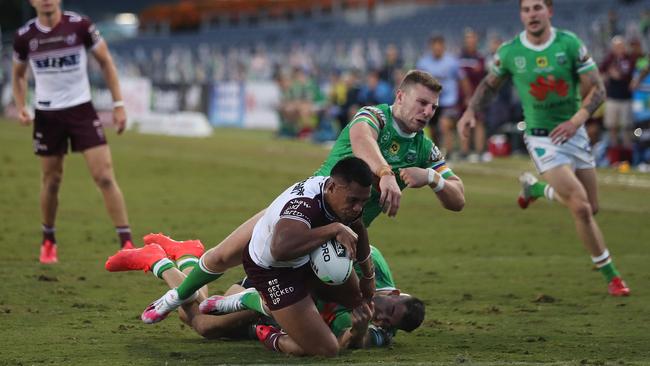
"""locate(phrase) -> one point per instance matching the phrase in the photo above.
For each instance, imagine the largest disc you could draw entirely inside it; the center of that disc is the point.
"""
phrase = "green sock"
(253, 301)
(161, 266)
(537, 189)
(186, 262)
(198, 278)
(609, 271)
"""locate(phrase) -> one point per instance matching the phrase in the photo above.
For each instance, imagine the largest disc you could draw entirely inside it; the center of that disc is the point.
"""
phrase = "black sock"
(124, 232)
(48, 233)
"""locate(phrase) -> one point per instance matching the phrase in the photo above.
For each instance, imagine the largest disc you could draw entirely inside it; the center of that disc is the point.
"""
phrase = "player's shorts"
(280, 287)
(546, 155)
(79, 125)
(618, 113)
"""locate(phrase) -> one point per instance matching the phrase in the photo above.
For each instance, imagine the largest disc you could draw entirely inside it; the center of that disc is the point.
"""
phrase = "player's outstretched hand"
(24, 117)
(466, 122)
(119, 119)
(390, 195)
(414, 177)
(563, 132)
(348, 238)
(361, 316)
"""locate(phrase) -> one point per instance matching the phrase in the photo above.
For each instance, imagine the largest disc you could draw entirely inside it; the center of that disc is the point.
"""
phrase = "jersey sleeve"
(302, 209)
(89, 33)
(21, 48)
(370, 115)
(434, 159)
(499, 65)
(383, 276)
(581, 57)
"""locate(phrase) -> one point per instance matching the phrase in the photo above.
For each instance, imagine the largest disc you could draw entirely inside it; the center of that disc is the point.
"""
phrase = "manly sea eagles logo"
(33, 44)
(71, 39)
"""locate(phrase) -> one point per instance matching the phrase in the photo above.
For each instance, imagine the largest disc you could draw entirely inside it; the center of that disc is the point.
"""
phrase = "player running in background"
(390, 139)
(559, 87)
(55, 45)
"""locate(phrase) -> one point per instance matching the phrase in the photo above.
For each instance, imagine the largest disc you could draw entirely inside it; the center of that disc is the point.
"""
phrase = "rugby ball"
(330, 263)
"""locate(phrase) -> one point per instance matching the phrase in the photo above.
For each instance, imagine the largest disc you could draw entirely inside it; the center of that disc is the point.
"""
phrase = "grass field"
(481, 272)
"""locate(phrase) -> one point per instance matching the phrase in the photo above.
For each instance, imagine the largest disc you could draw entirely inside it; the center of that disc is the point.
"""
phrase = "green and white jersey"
(383, 276)
(401, 150)
(546, 76)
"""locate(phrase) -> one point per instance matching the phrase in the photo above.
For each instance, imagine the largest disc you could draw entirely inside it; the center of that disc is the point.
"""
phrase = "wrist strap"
(366, 259)
(385, 170)
(440, 185)
(118, 103)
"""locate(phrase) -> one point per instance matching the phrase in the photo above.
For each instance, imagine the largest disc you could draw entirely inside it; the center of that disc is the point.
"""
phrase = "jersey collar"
(541, 47)
(399, 130)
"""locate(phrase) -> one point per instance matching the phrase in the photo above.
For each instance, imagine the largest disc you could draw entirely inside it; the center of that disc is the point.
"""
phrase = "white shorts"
(618, 113)
(546, 155)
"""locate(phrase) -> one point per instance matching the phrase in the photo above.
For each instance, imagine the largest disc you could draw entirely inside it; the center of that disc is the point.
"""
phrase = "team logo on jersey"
(410, 157)
(583, 54)
(394, 147)
(542, 86)
(541, 62)
(71, 39)
(560, 57)
(33, 44)
(435, 154)
(520, 62)
(385, 138)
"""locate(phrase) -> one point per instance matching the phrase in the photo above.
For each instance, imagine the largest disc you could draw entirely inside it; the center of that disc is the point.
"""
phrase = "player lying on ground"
(391, 311)
(390, 140)
(241, 310)
(560, 88)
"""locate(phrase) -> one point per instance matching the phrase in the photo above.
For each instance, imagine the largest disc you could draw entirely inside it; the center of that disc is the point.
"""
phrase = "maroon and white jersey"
(304, 201)
(58, 59)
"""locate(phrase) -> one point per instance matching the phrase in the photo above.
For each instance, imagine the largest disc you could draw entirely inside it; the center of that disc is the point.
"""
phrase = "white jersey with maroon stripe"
(58, 59)
(304, 201)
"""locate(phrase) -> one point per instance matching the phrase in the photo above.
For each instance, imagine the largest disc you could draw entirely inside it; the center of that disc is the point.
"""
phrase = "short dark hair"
(353, 169)
(548, 3)
(420, 77)
(413, 316)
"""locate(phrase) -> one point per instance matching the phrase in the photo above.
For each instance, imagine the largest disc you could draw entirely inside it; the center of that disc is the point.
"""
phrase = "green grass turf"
(479, 271)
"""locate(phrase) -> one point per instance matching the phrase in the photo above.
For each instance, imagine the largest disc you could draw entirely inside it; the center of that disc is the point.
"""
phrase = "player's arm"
(358, 335)
(485, 92)
(593, 93)
(294, 238)
(19, 88)
(364, 260)
(363, 139)
(103, 57)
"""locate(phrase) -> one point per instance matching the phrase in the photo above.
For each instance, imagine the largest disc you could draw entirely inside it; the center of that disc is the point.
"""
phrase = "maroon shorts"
(280, 287)
(79, 124)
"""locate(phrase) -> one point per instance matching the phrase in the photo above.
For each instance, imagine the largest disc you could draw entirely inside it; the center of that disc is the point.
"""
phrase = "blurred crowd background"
(304, 67)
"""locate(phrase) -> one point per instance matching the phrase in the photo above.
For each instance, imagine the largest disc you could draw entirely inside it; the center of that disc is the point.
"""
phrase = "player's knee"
(52, 182)
(329, 348)
(582, 210)
(594, 209)
(103, 181)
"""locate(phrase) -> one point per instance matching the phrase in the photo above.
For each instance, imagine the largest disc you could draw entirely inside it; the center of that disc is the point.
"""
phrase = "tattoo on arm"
(596, 91)
(485, 92)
